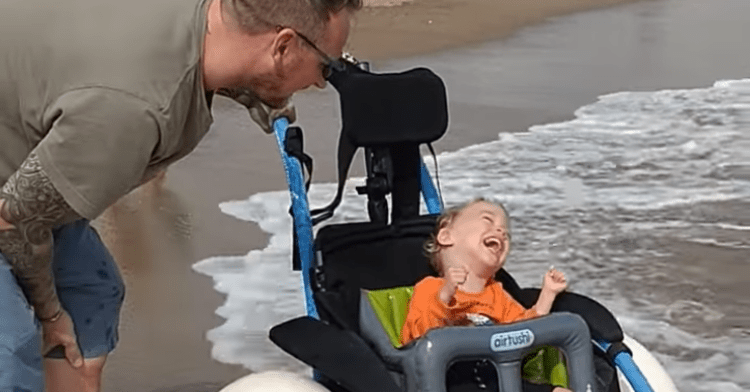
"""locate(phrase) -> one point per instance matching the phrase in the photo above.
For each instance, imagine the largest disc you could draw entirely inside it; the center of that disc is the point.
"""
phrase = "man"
(97, 96)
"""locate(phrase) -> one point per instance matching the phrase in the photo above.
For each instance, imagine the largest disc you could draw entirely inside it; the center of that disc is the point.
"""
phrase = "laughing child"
(468, 247)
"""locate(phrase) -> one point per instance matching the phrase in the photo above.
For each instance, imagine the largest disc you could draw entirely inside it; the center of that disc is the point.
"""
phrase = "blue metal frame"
(429, 192)
(624, 361)
(300, 212)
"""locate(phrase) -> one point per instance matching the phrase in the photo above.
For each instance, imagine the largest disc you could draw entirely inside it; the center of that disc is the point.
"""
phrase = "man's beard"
(249, 98)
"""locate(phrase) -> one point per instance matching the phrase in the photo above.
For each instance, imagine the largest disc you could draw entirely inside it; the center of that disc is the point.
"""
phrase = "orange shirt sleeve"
(426, 310)
(507, 309)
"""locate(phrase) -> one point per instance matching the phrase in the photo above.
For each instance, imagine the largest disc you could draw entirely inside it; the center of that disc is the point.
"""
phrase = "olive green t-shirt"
(107, 91)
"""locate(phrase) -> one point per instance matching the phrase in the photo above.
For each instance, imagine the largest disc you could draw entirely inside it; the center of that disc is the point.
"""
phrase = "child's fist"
(456, 276)
(554, 281)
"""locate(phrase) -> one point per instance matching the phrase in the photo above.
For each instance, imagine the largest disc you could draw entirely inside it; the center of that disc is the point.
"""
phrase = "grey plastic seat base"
(425, 362)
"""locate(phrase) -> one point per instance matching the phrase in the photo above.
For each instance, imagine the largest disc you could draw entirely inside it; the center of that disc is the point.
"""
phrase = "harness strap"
(345, 155)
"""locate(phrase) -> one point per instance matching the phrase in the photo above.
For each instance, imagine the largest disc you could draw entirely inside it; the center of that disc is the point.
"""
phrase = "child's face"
(477, 238)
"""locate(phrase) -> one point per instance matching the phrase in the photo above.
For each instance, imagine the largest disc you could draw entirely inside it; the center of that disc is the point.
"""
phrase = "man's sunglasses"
(328, 63)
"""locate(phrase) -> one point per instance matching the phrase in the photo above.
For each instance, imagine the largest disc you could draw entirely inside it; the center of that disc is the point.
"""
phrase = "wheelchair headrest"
(382, 109)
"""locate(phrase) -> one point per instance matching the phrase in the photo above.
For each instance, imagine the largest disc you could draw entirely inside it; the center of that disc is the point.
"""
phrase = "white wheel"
(275, 381)
(652, 370)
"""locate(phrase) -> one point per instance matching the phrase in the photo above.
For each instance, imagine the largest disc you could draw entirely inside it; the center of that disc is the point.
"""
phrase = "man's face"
(480, 237)
(299, 64)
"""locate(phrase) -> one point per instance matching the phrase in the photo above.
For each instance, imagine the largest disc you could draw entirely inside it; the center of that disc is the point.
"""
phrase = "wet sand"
(160, 230)
(426, 26)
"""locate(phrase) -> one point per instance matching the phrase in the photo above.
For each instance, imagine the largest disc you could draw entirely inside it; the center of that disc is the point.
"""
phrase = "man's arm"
(31, 207)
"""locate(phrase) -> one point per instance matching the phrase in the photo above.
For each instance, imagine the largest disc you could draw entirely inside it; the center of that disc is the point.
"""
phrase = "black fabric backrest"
(602, 323)
(367, 256)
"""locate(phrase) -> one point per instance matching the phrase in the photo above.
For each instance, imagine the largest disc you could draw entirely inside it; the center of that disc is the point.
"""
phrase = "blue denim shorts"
(90, 289)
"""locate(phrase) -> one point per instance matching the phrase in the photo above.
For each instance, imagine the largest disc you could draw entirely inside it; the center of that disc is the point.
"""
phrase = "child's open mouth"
(494, 244)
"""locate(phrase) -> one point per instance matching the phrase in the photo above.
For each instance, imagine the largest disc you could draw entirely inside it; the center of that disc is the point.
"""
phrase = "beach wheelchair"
(358, 276)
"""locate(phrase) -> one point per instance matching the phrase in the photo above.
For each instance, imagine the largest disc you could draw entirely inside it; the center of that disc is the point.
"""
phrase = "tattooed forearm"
(30, 203)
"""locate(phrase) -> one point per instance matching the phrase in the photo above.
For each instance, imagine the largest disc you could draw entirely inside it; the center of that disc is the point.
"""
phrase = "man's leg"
(61, 376)
(20, 338)
(91, 291)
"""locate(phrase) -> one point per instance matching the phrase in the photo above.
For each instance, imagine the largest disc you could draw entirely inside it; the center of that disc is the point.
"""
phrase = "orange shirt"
(427, 311)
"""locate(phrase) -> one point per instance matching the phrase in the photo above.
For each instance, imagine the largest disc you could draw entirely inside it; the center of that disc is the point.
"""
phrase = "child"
(468, 247)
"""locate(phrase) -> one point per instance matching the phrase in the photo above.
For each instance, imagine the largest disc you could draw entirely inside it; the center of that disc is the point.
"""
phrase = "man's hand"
(454, 277)
(4, 225)
(60, 332)
(262, 114)
(265, 116)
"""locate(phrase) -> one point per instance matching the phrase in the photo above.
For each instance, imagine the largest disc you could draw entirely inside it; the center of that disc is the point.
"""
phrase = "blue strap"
(300, 212)
(429, 192)
(624, 362)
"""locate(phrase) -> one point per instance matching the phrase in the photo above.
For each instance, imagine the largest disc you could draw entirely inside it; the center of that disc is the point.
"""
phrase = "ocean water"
(642, 199)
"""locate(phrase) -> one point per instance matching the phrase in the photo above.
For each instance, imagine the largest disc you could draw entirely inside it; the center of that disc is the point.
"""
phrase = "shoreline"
(426, 26)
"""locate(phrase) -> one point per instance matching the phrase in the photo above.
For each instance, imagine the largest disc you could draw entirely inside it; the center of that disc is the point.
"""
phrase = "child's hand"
(454, 276)
(554, 281)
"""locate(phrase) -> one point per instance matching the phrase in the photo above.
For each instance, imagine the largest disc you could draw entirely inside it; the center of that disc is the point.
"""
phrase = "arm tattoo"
(34, 207)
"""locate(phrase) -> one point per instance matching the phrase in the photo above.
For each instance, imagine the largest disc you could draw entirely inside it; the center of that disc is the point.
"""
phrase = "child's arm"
(454, 276)
(426, 308)
(554, 283)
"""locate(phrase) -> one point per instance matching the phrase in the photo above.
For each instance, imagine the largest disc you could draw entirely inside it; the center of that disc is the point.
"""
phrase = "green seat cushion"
(546, 365)
(391, 306)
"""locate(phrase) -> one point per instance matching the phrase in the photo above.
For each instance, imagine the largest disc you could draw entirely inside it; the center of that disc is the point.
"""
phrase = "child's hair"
(432, 248)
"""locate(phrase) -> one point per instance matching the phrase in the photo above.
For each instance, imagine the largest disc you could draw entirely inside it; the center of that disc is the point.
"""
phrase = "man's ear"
(285, 46)
(444, 237)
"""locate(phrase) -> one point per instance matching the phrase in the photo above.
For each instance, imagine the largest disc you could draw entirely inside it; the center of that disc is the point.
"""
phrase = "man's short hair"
(306, 16)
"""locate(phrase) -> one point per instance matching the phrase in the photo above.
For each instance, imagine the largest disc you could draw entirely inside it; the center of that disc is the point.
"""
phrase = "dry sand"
(159, 231)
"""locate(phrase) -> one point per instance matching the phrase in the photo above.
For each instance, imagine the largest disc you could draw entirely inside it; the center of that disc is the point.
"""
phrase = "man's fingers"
(260, 117)
(288, 111)
(72, 354)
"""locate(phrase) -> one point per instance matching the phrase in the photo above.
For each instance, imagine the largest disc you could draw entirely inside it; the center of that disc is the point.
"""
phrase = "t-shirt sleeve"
(511, 310)
(99, 143)
(426, 310)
